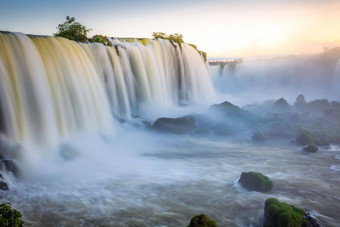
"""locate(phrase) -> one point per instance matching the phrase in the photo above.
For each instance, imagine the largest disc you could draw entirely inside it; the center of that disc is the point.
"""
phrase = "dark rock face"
(175, 125)
(281, 214)
(202, 220)
(311, 148)
(255, 182)
(3, 186)
(9, 166)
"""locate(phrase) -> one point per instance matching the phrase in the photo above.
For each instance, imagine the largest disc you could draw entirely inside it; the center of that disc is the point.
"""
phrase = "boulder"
(202, 220)
(311, 149)
(304, 138)
(259, 137)
(175, 125)
(255, 182)
(281, 214)
(229, 109)
(3, 186)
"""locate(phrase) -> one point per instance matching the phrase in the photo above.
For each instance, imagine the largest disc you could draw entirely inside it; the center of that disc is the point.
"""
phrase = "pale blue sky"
(221, 27)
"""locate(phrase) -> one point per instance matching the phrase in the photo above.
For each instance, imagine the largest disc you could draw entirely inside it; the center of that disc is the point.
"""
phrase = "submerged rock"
(281, 214)
(175, 125)
(202, 220)
(311, 148)
(255, 182)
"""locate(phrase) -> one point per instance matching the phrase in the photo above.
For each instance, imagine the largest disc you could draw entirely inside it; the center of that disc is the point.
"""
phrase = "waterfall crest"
(51, 88)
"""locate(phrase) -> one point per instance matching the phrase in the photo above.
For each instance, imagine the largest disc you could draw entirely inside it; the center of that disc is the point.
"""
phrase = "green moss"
(281, 214)
(144, 41)
(255, 182)
(202, 220)
(10, 217)
(100, 39)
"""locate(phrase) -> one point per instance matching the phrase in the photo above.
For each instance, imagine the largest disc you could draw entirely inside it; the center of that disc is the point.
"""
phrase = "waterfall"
(336, 81)
(52, 88)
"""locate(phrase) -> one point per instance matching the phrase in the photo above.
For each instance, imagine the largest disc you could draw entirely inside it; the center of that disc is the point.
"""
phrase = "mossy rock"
(202, 220)
(281, 214)
(259, 137)
(311, 149)
(255, 182)
(10, 217)
(304, 138)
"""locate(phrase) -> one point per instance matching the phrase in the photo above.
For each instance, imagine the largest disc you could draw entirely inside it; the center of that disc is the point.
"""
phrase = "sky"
(222, 28)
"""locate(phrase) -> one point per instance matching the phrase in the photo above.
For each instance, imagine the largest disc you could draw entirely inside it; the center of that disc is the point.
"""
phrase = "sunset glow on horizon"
(221, 28)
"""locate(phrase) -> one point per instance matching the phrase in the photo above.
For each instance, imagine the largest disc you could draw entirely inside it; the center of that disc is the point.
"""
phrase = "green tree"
(72, 30)
(10, 217)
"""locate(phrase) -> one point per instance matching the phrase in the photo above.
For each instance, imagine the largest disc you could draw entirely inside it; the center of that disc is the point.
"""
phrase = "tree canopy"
(73, 30)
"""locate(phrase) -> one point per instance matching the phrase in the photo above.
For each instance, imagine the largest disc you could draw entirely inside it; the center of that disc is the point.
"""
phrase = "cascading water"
(52, 88)
(336, 81)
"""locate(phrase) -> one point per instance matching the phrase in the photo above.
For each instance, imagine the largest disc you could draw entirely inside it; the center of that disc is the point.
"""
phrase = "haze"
(222, 28)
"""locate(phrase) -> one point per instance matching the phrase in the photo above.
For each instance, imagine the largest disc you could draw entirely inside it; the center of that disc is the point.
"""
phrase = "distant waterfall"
(51, 88)
(336, 81)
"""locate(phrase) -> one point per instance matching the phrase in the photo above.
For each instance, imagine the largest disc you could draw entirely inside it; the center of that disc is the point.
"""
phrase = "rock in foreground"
(202, 220)
(281, 214)
(175, 125)
(255, 182)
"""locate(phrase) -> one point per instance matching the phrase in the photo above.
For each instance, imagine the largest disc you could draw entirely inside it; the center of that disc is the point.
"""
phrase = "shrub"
(72, 30)
(10, 217)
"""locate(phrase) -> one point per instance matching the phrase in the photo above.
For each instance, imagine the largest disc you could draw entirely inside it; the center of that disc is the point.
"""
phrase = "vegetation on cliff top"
(72, 30)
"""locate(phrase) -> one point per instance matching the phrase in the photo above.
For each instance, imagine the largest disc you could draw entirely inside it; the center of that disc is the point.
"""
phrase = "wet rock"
(227, 107)
(312, 221)
(255, 182)
(304, 138)
(311, 149)
(9, 166)
(3, 186)
(281, 214)
(259, 137)
(175, 125)
(202, 220)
